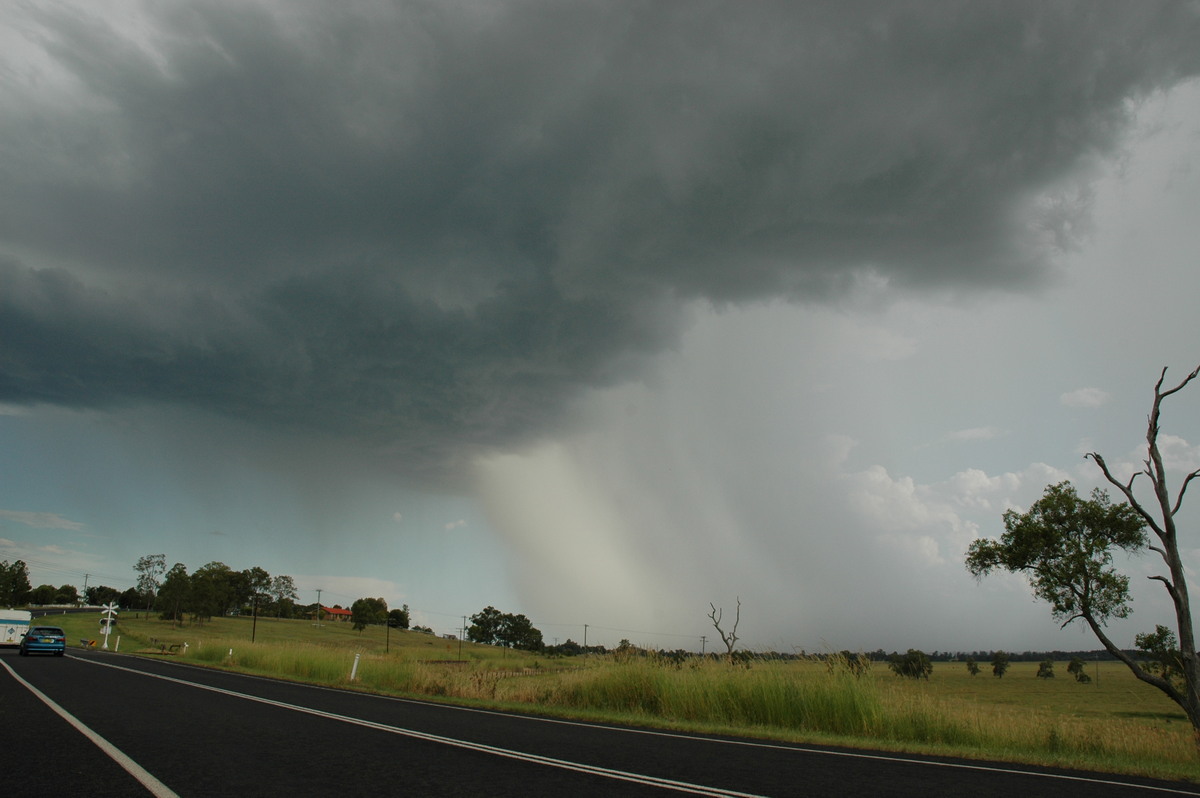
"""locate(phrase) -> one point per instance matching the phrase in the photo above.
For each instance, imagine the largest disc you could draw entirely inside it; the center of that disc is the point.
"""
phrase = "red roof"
(336, 612)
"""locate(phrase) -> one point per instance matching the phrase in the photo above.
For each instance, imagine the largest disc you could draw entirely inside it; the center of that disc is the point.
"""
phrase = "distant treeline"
(1025, 656)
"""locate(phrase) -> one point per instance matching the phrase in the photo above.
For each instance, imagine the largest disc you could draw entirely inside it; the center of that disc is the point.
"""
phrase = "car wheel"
(23, 652)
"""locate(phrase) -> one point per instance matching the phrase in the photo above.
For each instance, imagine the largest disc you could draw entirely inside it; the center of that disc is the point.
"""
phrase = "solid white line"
(148, 781)
(620, 775)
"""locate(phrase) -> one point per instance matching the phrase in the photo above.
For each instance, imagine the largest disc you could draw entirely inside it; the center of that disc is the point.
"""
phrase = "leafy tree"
(1066, 544)
(283, 593)
(102, 594)
(129, 598)
(14, 583)
(485, 626)
(972, 667)
(149, 570)
(256, 584)
(999, 664)
(175, 594)
(215, 590)
(517, 631)
(1075, 668)
(399, 619)
(567, 649)
(43, 594)
(1045, 669)
(1160, 648)
(67, 594)
(492, 627)
(913, 665)
(367, 611)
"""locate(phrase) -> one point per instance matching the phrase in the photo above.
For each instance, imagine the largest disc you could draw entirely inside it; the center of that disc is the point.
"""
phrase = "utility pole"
(85, 578)
(585, 626)
(318, 606)
(703, 640)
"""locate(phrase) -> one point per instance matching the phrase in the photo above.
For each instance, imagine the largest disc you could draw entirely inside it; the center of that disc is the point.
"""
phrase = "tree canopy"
(367, 611)
(914, 665)
(492, 627)
(1065, 544)
(14, 583)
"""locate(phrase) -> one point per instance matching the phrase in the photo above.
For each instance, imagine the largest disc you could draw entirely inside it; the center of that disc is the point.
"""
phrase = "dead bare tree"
(730, 639)
(1186, 691)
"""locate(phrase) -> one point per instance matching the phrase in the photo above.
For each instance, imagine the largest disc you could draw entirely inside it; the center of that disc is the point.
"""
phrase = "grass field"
(1114, 723)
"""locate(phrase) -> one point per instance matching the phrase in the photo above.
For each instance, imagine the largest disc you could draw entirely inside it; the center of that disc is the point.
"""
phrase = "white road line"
(156, 787)
(620, 775)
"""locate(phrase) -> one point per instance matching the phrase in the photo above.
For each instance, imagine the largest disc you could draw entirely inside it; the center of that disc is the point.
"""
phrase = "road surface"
(106, 724)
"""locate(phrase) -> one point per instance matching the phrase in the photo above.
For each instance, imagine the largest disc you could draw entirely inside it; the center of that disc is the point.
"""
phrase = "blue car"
(44, 640)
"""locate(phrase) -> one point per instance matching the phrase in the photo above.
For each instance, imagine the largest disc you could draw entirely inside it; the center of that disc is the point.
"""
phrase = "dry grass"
(1115, 723)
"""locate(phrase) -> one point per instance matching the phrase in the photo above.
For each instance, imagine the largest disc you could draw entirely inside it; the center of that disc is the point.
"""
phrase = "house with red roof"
(336, 614)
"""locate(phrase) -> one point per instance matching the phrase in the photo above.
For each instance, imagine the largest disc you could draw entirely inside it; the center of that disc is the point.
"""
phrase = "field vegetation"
(1113, 723)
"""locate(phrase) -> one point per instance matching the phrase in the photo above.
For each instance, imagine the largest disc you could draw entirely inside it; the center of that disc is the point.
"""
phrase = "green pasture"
(147, 634)
(1114, 723)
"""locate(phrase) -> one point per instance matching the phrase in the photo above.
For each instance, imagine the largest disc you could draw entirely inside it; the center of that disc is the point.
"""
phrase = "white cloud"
(901, 504)
(1178, 454)
(40, 520)
(1084, 397)
(397, 517)
(459, 524)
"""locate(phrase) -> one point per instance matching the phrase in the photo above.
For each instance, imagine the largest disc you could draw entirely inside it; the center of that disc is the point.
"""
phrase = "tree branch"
(1127, 490)
(1183, 489)
(1168, 584)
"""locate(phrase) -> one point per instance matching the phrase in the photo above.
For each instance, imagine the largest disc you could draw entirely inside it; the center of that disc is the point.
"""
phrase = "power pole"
(703, 640)
(318, 606)
(85, 578)
(585, 626)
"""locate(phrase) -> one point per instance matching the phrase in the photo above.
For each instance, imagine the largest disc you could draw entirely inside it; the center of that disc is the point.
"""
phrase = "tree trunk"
(1163, 526)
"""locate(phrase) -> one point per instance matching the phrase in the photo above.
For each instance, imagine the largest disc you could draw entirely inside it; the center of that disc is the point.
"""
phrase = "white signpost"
(110, 617)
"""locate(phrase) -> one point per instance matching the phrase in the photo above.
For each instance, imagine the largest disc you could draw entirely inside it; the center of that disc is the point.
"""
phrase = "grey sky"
(428, 233)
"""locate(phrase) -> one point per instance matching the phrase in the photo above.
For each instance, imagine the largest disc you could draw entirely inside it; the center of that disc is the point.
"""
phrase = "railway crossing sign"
(110, 618)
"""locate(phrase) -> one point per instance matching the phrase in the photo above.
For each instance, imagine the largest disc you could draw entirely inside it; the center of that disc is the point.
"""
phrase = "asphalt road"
(192, 732)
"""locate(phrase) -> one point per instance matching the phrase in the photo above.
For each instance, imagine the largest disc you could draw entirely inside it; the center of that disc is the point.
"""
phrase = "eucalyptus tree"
(150, 569)
(1065, 545)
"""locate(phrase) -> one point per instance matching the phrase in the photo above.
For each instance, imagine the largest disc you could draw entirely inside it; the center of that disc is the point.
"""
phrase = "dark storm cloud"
(430, 223)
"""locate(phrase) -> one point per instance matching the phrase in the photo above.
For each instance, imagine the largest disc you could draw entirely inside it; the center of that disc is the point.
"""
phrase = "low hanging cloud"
(428, 226)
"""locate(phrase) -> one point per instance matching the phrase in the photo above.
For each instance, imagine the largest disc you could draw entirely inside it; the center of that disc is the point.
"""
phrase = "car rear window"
(46, 631)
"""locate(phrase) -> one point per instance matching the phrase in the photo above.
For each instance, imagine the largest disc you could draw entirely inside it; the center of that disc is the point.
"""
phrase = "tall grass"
(1123, 728)
(767, 696)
